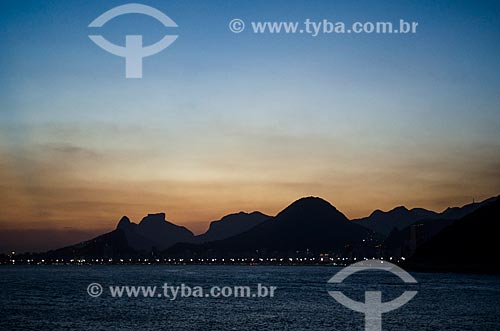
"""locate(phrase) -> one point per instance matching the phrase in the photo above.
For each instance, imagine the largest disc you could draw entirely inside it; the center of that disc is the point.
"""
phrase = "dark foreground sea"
(56, 298)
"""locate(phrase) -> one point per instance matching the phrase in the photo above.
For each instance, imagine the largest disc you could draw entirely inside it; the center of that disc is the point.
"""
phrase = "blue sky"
(451, 61)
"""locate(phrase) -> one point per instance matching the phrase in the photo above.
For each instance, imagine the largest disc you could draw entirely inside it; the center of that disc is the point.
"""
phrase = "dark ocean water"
(56, 298)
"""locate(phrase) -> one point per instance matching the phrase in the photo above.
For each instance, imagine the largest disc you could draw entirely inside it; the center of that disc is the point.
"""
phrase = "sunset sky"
(223, 122)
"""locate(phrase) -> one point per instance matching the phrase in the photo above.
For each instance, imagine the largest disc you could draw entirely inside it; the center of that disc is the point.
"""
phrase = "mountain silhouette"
(308, 223)
(113, 244)
(469, 244)
(459, 212)
(154, 231)
(404, 242)
(231, 225)
(401, 217)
